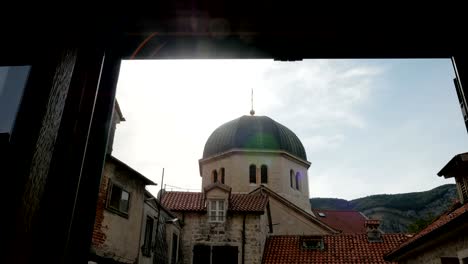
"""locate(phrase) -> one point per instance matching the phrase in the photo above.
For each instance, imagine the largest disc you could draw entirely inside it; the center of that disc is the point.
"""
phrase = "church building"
(254, 185)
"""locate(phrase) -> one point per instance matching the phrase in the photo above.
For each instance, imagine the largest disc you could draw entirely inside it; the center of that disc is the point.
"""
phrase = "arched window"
(291, 178)
(215, 176)
(253, 173)
(264, 174)
(298, 176)
(222, 175)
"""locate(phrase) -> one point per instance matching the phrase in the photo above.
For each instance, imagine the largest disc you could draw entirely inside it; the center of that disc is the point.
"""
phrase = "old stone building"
(255, 187)
(445, 240)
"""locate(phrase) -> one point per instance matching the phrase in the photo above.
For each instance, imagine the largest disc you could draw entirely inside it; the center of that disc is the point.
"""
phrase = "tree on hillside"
(421, 223)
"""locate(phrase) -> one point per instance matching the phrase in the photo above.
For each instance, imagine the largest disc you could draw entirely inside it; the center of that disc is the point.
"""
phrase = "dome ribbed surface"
(253, 132)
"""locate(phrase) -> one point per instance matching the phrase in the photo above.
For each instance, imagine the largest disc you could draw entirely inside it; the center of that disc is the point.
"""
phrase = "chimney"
(373, 232)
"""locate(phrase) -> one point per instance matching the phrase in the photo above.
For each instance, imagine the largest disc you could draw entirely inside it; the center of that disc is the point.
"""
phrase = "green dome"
(253, 132)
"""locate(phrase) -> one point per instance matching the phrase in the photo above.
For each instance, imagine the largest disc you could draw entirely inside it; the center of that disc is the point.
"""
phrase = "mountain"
(396, 211)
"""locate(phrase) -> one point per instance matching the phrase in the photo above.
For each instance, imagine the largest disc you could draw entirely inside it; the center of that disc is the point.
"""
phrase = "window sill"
(117, 212)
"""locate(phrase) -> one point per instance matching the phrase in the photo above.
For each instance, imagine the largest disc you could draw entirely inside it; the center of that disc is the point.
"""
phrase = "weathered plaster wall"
(288, 222)
(116, 236)
(455, 245)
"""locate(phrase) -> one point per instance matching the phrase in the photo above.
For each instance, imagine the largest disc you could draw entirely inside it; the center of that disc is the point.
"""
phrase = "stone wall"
(197, 230)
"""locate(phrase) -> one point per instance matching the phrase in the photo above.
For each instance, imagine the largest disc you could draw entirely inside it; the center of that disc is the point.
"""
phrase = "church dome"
(255, 133)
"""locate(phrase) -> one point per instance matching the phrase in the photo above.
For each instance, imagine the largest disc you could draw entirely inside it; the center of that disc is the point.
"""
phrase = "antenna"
(252, 112)
(162, 181)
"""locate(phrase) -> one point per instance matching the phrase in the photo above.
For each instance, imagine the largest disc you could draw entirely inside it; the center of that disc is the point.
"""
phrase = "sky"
(368, 126)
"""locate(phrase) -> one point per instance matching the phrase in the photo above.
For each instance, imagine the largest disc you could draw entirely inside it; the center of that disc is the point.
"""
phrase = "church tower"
(256, 150)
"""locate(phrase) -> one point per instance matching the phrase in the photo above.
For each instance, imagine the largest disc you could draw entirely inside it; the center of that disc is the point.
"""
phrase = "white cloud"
(172, 107)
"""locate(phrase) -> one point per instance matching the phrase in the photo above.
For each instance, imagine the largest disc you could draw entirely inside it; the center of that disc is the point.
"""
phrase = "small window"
(253, 174)
(321, 214)
(216, 211)
(118, 199)
(264, 174)
(313, 243)
(146, 249)
(222, 175)
(298, 176)
(291, 178)
(215, 176)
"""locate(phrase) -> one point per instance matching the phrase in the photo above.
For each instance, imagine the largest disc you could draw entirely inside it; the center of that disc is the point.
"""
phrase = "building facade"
(119, 213)
(254, 185)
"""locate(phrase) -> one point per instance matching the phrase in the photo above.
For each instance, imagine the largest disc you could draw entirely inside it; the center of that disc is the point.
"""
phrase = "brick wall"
(99, 236)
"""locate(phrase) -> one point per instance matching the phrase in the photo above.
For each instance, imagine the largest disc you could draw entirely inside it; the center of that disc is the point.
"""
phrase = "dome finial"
(252, 112)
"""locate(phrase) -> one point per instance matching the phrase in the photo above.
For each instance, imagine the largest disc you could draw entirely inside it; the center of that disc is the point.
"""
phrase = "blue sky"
(368, 126)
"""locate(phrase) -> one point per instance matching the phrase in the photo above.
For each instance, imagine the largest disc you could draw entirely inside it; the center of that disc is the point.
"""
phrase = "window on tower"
(298, 176)
(264, 174)
(222, 175)
(252, 173)
(215, 176)
(291, 178)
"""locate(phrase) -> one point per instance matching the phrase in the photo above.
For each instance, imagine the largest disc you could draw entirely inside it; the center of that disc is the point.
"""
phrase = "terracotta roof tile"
(443, 220)
(183, 201)
(194, 201)
(248, 202)
(342, 248)
(349, 221)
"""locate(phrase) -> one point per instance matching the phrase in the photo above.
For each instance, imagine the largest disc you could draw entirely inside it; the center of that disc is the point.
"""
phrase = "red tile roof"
(456, 212)
(342, 248)
(248, 202)
(194, 201)
(349, 222)
(184, 201)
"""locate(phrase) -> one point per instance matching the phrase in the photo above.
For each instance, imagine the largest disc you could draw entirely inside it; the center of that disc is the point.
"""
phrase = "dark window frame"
(291, 178)
(253, 174)
(110, 190)
(223, 173)
(215, 176)
(175, 248)
(298, 186)
(148, 240)
(264, 174)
